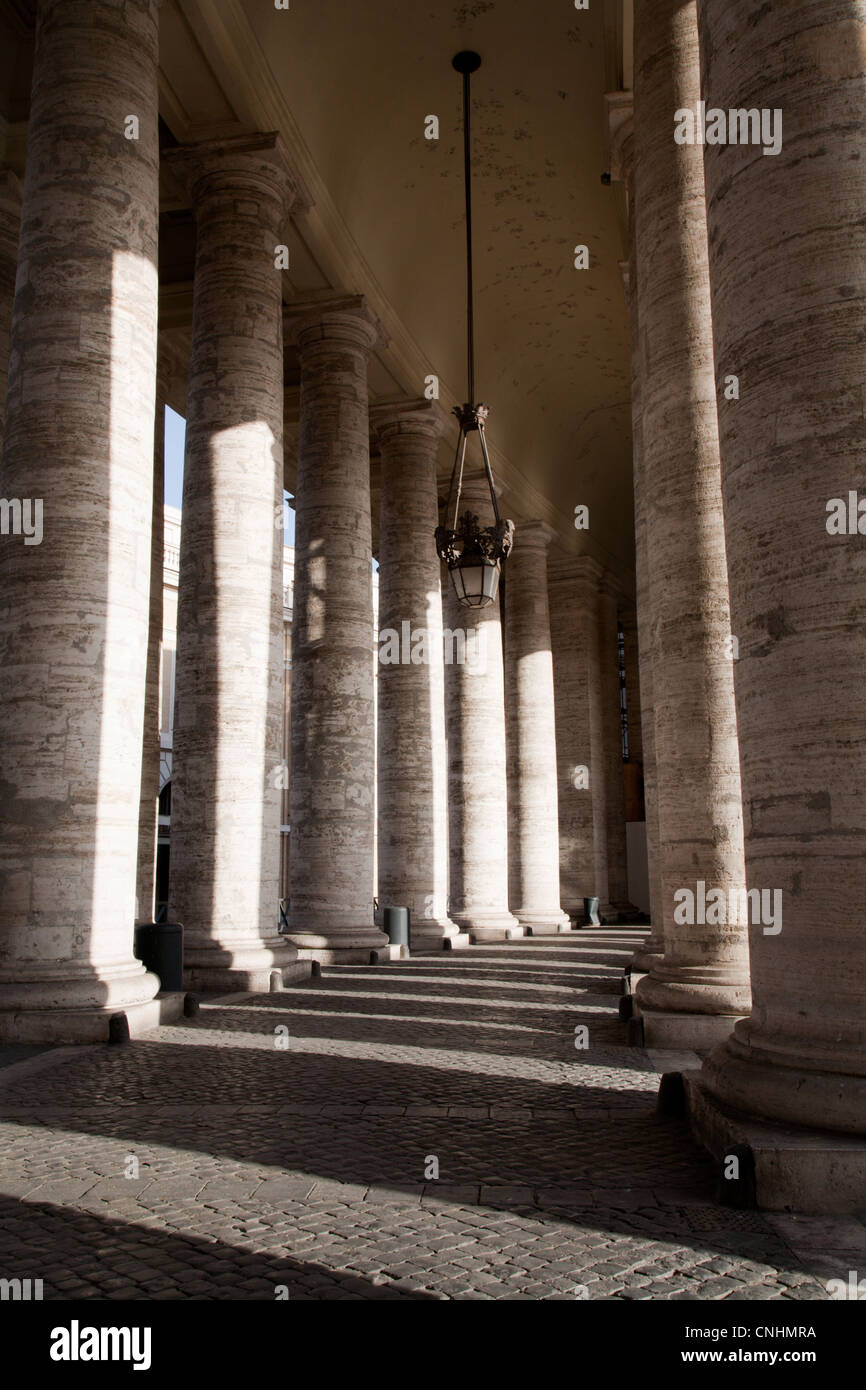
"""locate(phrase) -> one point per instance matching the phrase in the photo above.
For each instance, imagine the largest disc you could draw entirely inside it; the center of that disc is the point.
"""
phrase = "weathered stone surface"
(10, 220)
(74, 608)
(705, 966)
(616, 900)
(229, 677)
(653, 947)
(332, 717)
(541, 1194)
(475, 728)
(573, 656)
(148, 825)
(786, 255)
(533, 820)
(411, 764)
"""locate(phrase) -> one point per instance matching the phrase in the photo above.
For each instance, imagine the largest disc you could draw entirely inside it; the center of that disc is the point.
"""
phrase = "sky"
(175, 433)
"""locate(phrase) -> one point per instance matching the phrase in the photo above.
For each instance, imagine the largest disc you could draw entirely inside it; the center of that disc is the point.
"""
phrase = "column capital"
(535, 534)
(619, 134)
(582, 570)
(260, 158)
(413, 415)
(476, 487)
(330, 316)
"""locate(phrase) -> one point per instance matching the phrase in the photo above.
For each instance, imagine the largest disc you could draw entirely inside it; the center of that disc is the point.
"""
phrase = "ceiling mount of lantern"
(474, 554)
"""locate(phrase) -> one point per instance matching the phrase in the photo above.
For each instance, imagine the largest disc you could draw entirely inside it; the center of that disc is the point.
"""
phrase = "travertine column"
(225, 838)
(533, 818)
(628, 626)
(590, 577)
(74, 608)
(616, 904)
(653, 947)
(572, 635)
(148, 824)
(333, 729)
(411, 763)
(786, 255)
(10, 221)
(475, 723)
(694, 995)
(285, 812)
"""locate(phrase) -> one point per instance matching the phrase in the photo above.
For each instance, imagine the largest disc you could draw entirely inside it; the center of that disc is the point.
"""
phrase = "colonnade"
(500, 788)
(747, 328)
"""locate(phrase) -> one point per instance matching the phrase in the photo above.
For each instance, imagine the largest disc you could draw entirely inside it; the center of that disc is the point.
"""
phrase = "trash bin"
(396, 923)
(159, 947)
(590, 908)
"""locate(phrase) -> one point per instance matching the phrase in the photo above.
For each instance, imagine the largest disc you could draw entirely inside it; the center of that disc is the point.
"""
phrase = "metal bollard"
(396, 923)
(159, 947)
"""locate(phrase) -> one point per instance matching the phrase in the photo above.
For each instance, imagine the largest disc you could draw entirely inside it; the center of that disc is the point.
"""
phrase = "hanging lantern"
(474, 554)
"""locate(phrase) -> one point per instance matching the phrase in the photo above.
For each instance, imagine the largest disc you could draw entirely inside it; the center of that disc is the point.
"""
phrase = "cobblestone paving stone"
(296, 1159)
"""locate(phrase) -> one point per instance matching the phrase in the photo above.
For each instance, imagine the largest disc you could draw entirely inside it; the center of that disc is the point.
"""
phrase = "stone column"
(148, 824)
(616, 905)
(225, 838)
(533, 819)
(74, 602)
(628, 626)
(411, 762)
(475, 723)
(650, 952)
(573, 646)
(333, 729)
(286, 748)
(10, 220)
(695, 994)
(786, 255)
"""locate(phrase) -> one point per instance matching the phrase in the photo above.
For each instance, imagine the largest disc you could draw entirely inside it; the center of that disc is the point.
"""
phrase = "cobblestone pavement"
(284, 1145)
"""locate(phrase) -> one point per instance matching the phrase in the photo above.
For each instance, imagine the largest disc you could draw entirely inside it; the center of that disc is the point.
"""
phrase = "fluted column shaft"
(705, 966)
(229, 682)
(653, 947)
(411, 761)
(573, 741)
(475, 728)
(611, 726)
(10, 221)
(332, 717)
(74, 605)
(148, 825)
(533, 817)
(786, 256)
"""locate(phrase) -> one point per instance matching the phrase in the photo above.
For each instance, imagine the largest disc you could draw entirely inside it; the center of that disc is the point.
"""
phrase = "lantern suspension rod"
(470, 302)
(466, 63)
(489, 471)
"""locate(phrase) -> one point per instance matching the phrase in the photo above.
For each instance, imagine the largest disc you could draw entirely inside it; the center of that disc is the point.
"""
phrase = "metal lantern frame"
(465, 546)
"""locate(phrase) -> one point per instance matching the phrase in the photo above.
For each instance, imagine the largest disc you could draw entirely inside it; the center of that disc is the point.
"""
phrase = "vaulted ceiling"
(350, 85)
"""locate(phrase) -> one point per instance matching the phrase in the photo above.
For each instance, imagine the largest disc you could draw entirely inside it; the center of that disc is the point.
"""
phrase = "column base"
(258, 966)
(488, 926)
(618, 914)
(644, 959)
(88, 1025)
(544, 923)
(365, 946)
(437, 936)
(434, 934)
(801, 1170)
(693, 1032)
